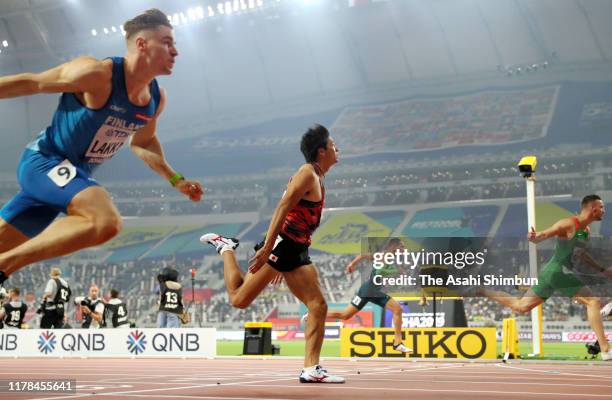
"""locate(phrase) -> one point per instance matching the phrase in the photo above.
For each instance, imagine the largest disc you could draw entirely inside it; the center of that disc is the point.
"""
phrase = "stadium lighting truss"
(224, 8)
(198, 13)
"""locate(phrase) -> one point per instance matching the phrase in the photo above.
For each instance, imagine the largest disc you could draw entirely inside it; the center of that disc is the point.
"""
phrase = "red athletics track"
(277, 379)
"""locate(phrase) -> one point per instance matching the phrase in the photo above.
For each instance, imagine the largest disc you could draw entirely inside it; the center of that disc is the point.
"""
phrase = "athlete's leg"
(304, 284)
(521, 305)
(396, 309)
(10, 237)
(345, 314)
(593, 305)
(92, 220)
(243, 289)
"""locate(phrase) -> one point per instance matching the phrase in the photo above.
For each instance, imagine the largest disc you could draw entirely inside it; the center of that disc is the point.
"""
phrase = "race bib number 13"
(62, 173)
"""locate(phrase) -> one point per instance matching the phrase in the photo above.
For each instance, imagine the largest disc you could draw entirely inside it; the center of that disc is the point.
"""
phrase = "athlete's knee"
(522, 308)
(396, 309)
(240, 301)
(106, 227)
(594, 302)
(346, 315)
(317, 306)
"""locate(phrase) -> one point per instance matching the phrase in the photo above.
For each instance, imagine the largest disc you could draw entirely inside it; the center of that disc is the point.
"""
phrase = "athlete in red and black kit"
(285, 249)
(291, 246)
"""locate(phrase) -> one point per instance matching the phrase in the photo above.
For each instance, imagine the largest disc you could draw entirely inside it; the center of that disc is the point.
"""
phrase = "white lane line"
(44, 373)
(127, 392)
(557, 372)
(410, 370)
(581, 395)
(487, 382)
(180, 396)
(532, 377)
(241, 383)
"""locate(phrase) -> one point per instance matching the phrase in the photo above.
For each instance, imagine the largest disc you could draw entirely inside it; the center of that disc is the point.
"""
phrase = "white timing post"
(527, 167)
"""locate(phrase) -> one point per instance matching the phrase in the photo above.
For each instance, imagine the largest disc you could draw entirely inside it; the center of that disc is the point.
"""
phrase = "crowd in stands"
(490, 117)
(371, 188)
(401, 186)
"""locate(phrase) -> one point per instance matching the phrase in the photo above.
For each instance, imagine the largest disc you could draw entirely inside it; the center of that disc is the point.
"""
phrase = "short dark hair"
(316, 137)
(395, 242)
(392, 244)
(114, 293)
(149, 19)
(586, 200)
(16, 291)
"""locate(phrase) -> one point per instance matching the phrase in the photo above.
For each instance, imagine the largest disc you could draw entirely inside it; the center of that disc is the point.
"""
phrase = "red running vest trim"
(577, 224)
(303, 219)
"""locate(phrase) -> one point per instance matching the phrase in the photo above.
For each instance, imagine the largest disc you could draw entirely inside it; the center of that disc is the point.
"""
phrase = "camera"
(527, 166)
(593, 348)
(41, 308)
(83, 301)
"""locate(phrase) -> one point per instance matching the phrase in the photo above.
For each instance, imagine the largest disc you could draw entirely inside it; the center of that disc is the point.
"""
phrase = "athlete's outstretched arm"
(559, 229)
(301, 183)
(590, 261)
(83, 74)
(353, 264)
(369, 256)
(146, 146)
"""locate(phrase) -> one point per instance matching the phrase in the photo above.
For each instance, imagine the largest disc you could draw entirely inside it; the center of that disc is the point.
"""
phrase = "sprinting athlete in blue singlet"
(105, 105)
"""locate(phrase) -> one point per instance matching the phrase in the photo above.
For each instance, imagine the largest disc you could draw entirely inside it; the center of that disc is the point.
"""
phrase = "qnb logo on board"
(47, 342)
(136, 342)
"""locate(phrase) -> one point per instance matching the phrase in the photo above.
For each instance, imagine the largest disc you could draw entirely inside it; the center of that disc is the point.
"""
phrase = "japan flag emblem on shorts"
(273, 258)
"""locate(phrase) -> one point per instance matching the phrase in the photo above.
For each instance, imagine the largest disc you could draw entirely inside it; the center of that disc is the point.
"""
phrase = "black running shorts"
(287, 255)
(369, 293)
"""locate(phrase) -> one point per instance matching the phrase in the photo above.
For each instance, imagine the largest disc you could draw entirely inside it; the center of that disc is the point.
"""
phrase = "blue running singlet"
(57, 165)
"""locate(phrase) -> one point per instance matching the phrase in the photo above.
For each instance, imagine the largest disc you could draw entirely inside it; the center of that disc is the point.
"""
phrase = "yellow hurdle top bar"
(258, 324)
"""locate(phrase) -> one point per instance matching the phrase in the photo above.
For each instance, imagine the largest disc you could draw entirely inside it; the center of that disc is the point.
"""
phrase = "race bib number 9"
(62, 173)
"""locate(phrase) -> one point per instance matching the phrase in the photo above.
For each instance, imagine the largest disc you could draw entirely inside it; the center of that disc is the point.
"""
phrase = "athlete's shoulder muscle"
(82, 74)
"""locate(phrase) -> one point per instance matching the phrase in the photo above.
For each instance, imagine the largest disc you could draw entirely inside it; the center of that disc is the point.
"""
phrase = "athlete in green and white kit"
(555, 275)
(369, 292)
